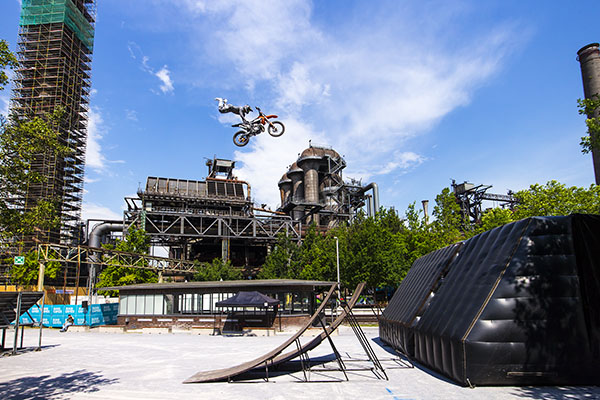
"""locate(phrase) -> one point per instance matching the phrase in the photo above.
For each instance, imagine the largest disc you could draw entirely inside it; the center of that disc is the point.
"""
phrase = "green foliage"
(495, 217)
(589, 107)
(218, 270)
(282, 262)
(136, 241)
(7, 60)
(555, 198)
(22, 142)
(380, 250)
(27, 274)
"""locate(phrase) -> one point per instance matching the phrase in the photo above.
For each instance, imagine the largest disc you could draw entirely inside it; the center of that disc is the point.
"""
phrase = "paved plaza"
(94, 365)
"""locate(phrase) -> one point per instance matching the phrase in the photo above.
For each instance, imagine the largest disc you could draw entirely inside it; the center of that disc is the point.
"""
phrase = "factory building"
(204, 220)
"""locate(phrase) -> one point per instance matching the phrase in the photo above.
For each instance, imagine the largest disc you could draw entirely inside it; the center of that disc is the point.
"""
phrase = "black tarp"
(248, 299)
(514, 305)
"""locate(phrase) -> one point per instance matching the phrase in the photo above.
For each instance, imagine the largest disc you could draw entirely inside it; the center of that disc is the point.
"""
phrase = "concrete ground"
(93, 365)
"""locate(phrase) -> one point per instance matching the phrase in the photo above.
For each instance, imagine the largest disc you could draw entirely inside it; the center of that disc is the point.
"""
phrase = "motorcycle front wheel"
(276, 129)
(241, 139)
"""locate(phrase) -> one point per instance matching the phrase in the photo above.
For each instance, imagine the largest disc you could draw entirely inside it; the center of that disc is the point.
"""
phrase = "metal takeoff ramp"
(276, 357)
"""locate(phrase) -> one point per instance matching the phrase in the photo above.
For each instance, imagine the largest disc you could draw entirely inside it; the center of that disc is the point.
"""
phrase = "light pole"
(337, 259)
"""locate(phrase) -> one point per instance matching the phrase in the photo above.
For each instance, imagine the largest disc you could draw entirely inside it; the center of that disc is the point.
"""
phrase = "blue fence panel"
(56, 315)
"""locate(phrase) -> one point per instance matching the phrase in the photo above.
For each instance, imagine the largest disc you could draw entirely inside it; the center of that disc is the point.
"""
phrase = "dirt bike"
(257, 126)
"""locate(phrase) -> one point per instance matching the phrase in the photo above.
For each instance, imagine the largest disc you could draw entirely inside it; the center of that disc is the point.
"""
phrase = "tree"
(589, 107)
(495, 217)
(282, 262)
(377, 250)
(218, 270)
(317, 256)
(136, 241)
(7, 60)
(554, 198)
(22, 142)
(27, 274)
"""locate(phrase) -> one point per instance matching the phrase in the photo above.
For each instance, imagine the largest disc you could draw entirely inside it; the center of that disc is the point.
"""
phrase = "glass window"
(139, 304)
(158, 304)
(131, 304)
(206, 302)
(187, 303)
(215, 299)
(199, 303)
(169, 302)
(149, 304)
(123, 305)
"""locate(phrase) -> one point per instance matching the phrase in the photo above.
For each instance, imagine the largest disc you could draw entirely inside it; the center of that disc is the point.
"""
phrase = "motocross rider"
(224, 108)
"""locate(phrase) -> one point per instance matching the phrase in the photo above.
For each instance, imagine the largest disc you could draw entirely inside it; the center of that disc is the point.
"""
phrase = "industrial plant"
(204, 220)
(313, 190)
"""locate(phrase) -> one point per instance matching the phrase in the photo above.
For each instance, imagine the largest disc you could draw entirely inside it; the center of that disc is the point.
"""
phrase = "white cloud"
(165, 77)
(97, 211)
(368, 87)
(269, 158)
(131, 115)
(95, 131)
(164, 74)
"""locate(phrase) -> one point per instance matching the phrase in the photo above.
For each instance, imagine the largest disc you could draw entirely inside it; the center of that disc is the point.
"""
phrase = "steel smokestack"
(589, 59)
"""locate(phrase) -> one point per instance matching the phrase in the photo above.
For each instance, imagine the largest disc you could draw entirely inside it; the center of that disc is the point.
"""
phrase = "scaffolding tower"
(54, 52)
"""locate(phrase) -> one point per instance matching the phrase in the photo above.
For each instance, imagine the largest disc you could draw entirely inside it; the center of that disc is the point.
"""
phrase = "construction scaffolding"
(54, 52)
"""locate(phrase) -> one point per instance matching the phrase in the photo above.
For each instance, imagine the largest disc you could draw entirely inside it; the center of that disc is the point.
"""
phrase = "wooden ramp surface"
(275, 357)
(226, 373)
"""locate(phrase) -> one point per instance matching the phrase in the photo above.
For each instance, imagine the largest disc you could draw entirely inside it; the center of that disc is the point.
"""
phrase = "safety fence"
(56, 315)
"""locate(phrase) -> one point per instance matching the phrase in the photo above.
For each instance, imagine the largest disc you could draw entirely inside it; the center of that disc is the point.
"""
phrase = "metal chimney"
(426, 210)
(589, 59)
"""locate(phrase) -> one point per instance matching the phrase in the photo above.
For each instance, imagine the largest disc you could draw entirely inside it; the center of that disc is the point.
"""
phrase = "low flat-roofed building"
(193, 304)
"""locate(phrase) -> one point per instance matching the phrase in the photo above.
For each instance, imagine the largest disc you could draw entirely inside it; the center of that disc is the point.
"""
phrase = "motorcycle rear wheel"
(241, 138)
(276, 129)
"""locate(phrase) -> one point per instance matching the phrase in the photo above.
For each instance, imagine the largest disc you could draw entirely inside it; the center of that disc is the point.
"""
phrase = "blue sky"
(412, 93)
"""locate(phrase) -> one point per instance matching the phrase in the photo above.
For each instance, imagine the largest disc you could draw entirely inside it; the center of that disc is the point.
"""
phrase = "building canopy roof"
(248, 299)
(225, 286)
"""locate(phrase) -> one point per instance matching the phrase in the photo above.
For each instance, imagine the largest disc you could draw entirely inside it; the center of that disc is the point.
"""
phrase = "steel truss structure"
(54, 52)
(78, 255)
(165, 227)
(207, 219)
(470, 198)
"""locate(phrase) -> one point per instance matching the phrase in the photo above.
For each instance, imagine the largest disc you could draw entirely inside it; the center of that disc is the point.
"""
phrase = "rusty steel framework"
(470, 198)
(207, 219)
(54, 52)
(313, 189)
(77, 255)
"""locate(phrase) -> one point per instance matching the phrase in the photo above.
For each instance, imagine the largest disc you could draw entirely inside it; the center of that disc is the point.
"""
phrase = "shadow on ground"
(8, 352)
(48, 387)
(558, 392)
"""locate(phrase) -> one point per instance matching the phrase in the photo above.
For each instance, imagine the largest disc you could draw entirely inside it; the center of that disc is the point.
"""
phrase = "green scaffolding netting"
(37, 12)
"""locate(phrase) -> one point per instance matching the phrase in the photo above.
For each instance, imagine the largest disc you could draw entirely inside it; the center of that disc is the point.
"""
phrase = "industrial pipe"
(95, 236)
(372, 186)
(95, 241)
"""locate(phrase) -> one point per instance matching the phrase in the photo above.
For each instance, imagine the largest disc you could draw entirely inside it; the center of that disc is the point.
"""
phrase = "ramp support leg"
(364, 342)
(335, 351)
